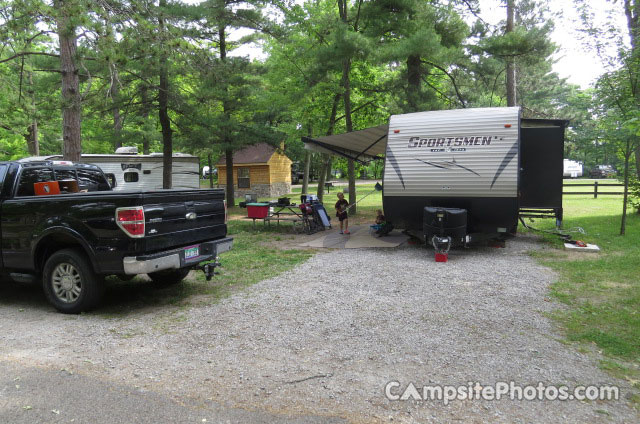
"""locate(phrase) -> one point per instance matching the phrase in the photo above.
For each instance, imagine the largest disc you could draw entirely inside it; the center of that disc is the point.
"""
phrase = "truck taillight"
(131, 221)
(225, 211)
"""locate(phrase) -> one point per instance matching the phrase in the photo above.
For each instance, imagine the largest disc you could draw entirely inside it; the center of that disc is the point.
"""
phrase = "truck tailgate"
(183, 217)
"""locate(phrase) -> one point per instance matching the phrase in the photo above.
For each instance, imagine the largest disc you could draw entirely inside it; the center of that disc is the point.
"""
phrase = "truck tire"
(69, 282)
(169, 277)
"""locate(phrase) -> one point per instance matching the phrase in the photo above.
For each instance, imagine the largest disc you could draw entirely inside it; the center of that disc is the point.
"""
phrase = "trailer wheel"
(169, 277)
(69, 282)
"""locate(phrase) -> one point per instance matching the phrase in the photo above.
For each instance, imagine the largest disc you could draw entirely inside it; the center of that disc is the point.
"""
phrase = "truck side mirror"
(111, 178)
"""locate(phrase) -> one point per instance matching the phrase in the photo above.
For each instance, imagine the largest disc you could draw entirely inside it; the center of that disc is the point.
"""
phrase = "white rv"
(571, 169)
(143, 172)
(481, 169)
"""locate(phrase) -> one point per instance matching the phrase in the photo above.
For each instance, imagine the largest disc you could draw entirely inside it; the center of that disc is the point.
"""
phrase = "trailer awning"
(362, 146)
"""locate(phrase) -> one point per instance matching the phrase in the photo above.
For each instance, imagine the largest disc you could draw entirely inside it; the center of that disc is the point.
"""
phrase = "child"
(380, 218)
(341, 213)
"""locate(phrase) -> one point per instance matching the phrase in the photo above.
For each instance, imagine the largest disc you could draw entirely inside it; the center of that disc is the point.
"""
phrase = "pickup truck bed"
(162, 233)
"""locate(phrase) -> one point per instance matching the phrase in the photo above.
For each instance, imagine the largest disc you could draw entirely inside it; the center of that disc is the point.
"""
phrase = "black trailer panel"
(541, 166)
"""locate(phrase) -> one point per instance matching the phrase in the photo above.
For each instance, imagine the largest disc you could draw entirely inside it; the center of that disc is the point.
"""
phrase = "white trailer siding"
(185, 172)
(453, 153)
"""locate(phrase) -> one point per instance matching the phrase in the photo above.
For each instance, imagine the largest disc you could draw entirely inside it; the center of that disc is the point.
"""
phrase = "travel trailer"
(465, 174)
(142, 172)
(571, 169)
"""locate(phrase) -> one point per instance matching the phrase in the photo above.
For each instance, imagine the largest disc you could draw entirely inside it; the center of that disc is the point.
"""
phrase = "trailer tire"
(169, 277)
(70, 283)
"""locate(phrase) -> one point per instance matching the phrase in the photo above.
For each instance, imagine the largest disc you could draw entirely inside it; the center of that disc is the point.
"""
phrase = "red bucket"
(442, 257)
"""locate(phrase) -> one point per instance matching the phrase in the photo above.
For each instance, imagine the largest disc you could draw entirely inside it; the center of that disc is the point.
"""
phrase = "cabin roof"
(258, 153)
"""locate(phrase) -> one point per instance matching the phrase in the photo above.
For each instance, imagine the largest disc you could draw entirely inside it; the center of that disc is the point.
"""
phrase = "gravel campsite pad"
(325, 338)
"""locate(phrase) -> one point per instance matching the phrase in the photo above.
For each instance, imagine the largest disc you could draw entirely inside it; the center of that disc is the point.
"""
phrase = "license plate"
(191, 252)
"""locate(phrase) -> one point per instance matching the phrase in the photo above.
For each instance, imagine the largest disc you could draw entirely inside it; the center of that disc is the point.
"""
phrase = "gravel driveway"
(326, 338)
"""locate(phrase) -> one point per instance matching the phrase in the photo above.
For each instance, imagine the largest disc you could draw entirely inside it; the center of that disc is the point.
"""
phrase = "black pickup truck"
(73, 239)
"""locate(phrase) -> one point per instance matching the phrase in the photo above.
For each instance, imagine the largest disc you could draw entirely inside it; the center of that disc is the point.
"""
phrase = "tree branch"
(17, 55)
(453, 81)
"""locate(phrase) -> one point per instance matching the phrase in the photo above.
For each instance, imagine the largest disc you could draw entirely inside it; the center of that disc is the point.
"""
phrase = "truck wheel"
(69, 282)
(169, 277)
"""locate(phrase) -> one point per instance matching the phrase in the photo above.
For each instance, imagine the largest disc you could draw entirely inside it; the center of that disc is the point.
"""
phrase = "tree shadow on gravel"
(140, 295)
(22, 295)
(121, 298)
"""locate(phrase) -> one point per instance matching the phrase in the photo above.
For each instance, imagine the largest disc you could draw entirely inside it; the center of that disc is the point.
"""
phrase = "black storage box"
(450, 222)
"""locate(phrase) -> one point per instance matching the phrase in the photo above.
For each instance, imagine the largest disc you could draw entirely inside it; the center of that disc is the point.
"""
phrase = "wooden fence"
(595, 185)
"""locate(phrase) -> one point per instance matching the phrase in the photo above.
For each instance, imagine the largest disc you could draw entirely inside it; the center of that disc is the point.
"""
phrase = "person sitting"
(382, 227)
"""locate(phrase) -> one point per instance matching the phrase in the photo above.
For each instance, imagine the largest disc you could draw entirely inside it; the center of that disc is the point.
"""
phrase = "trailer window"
(30, 176)
(92, 180)
(131, 177)
(244, 180)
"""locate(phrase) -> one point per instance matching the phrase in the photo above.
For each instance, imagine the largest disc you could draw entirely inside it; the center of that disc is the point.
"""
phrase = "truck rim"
(67, 282)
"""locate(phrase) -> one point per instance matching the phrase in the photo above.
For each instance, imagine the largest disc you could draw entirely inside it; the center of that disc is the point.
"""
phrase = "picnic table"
(289, 212)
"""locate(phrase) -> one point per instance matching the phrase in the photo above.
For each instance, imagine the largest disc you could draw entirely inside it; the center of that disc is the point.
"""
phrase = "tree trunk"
(305, 177)
(321, 178)
(413, 83)
(71, 101)
(163, 112)
(346, 84)
(210, 171)
(638, 163)
(144, 96)
(328, 176)
(326, 158)
(115, 98)
(230, 189)
(623, 222)
(226, 111)
(33, 142)
(632, 12)
(511, 66)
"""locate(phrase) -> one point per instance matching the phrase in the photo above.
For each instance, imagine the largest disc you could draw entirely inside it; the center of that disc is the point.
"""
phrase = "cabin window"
(30, 176)
(131, 177)
(243, 178)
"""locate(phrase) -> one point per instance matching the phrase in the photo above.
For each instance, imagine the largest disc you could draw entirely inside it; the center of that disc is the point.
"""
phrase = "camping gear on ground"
(491, 162)
(319, 210)
(314, 215)
(257, 210)
(308, 198)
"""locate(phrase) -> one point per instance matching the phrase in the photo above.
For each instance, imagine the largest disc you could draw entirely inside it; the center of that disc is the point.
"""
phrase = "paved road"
(42, 395)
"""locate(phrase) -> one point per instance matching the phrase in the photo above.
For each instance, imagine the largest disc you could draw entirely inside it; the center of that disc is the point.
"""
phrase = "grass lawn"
(602, 291)
(251, 260)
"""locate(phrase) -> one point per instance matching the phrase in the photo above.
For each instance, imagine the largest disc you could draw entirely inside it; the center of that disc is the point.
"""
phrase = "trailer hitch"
(441, 244)
(209, 268)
